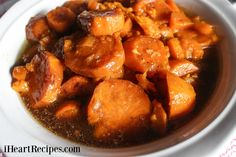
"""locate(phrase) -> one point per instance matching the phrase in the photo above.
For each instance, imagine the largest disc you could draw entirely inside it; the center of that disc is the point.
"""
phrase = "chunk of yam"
(20, 86)
(100, 23)
(45, 79)
(68, 110)
(119, 108)
(76, 85)
(37, 28)
(158, 118)
(95, 57)
(182, 67)
(178, 21)
(143, 53)
(19, 73)
(180, 95)
(175, 48)
(61, 19)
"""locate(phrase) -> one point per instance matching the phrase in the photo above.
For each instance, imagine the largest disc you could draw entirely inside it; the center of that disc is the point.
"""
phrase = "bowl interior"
(13, 108)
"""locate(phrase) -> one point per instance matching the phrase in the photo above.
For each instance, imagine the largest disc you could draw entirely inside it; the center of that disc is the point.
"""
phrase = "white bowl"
(218, 12)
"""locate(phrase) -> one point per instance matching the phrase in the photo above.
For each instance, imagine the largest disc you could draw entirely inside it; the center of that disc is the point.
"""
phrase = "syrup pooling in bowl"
(113, 74)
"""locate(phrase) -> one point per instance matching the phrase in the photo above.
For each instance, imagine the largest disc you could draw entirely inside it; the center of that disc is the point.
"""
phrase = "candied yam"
(61, 19)
(100, 23)
(158, 118)
(76, 85)
(180, 95)
(178, 21)
(68, 110)
(44, 79)
(37, 28)
(175, 48)
(19, 73)
(144, 53)
(182, 67)
(118, 108)
(95, 57)
(20, 86)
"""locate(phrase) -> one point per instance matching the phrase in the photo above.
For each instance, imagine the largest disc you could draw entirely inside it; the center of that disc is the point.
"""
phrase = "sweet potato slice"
(44, 78)
(96, 57)
(144, 53)
(179, 21)
(180, 95)
(37, 28)
(76, 85)
(77, 6)
(68, 110)
(19, 73)
(60, 19)
(175, 48)
(118, 108)
(100, 23)
(158, 118)
(192, 49)
(182, 67)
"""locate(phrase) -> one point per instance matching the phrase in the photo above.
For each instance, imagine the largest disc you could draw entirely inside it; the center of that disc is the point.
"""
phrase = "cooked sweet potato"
(96, 57)
(118, 108)
(158, 118)
(178, 21)
(143, 53)
(127, 27)
(77, 6)
(175, 48)
(172, 5)
(180, 95)
(61, 19)
(182, 67)
(37, 28)
(192, 49)
(76, 85)
(203, 28)
(44, 79)
(100, 23)
(68, 110)
(20, 86)
(19, 73)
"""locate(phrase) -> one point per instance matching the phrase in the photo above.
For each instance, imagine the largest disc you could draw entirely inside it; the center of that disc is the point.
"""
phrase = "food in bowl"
(115, 73)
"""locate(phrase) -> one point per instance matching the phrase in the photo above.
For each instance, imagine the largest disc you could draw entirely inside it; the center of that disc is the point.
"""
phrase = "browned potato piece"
(96, 57)
(182, 67)
(155, 9)
(68, 110)
(180, 95)
(143, 53)
(20, 86)
(37, 28)
(77, 6)
(158, 118)
(126, 28)
(60, 19)
(203, 28)
(149, 27)
(76, 85)
(118, 108)
(175, 48)
(192, 49)
(44, 79)
(19, 73)
(178, 21)
(100, 23)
